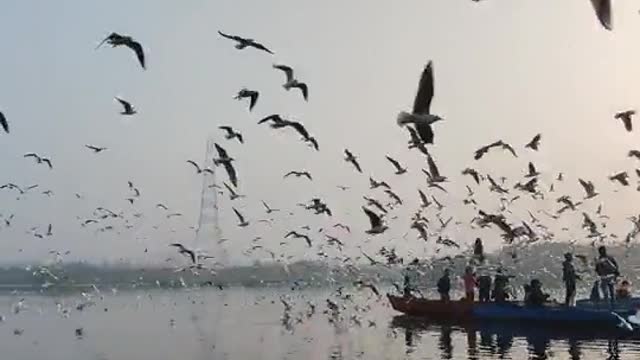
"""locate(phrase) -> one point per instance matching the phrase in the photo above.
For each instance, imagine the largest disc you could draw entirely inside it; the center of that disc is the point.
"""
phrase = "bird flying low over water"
(421, 114)
(128, 109)
(625, 117)
(242, 43)
(377, 225)
(115, 39)
(299, 174)
(184, 251)
(251, 94)
(350, 158)
(292, 82)
(603, 12)
(231, 134)
(4, 123)
(299, 236)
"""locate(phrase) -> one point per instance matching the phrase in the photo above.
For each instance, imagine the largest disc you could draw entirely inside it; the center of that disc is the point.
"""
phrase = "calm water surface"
(241, 323)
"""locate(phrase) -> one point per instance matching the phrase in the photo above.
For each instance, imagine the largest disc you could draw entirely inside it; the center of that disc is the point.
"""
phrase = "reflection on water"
(240, 323)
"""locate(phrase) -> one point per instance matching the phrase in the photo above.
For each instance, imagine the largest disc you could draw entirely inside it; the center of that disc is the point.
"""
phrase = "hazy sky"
(503, 69)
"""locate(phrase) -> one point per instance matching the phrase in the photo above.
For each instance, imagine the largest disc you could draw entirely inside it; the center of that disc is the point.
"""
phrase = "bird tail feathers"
(404, 118)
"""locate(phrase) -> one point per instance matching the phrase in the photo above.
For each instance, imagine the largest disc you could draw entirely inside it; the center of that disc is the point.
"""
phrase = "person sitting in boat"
(470, 283)
(569, 277)
(484, 288)
(624, 290)
(444, 286)
(535, 296)
(607, 270)
(500, 285)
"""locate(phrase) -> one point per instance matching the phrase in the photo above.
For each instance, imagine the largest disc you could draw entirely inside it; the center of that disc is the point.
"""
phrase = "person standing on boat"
(484, 288)
(444, 286)
(569, 277)
(500, 284)
(470, 283)
(607, 270)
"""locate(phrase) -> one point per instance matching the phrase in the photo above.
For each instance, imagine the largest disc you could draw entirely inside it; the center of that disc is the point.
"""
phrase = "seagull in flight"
(603, 12)
(182, 250)
(115, 40)
(243, 222)
(434, 174)
(299, 236)
(532, 170)
(299, 174)
(269, 209)
(373, 184)
(377, 225)
(415, 140)
(424, 201)
(534, 143)
(244, 42)
(589, 188)
(350, 158)
(128, 109)
(39, 159)
(251, 94)
(95, 149)
(634, 153)
(621, 177)
(4, 123)
(399, 169)
(421, 114)
(226, 161)
(625, 117)
(473, 173)
(198, 169)
(232, 193)
(376, 203)
(231, 134)
(292, 82)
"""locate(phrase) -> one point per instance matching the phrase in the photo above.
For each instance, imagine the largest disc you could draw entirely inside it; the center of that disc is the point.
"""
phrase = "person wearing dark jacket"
(444, 286)
(569, 277)
(535, 296)
(607, 270)
(484, 288)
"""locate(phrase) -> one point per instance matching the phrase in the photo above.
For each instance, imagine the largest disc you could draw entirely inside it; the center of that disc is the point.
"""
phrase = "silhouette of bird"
(162, 206)
(276, 121)
(373, 184)
(269, 210)
(421, 114)
(589, 189)
(495, 187)
(226, 161)
(621, 177)
(350, 158)
(634, 153)
(393, 196)
(232, 193)
(251, 94)
(95, 149)
(415, 140)
(484, 149)
(625, 117)
(244, 42)
(299, 236)
(299, 174)
(377, 226)
(342, 226)
(534, 143)
(198, 169)
(532, 170)
(182, 250)
(231, 134)
(292, 82)
(424, 201)
(128, 109)
(399, 169)
(603, 12)
(4, 123)
(434, 174)
(473, 173)
(376, 203)
(115, 40)
(242, 221)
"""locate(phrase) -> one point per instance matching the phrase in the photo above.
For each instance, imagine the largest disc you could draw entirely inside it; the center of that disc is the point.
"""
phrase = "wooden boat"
(433, 309)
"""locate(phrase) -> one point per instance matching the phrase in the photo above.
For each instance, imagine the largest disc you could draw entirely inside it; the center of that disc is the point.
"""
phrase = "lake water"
(243, 323)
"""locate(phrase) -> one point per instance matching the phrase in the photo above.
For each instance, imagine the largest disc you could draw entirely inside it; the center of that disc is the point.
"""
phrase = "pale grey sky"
(503, 70)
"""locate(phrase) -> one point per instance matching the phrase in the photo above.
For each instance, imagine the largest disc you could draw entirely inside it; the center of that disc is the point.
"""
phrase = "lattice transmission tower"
(209, 232)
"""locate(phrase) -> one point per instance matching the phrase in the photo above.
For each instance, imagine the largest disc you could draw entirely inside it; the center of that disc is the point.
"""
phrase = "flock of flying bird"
(419, 123)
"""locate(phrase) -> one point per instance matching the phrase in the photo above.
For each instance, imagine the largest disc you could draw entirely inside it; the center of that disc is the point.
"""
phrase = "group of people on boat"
(497, 289)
